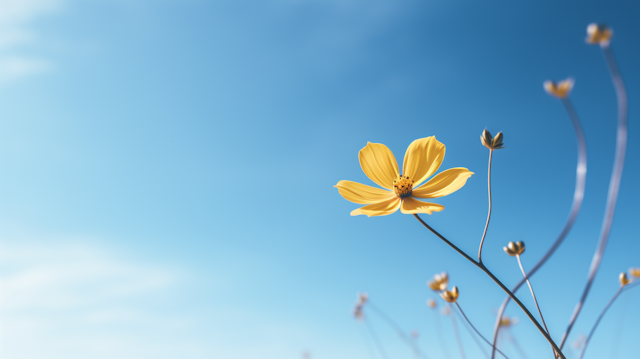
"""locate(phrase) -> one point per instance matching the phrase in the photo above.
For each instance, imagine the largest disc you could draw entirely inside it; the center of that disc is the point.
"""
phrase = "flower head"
(490, 142)
(439, 282)
(559, 89)
(598, 34)
(450, 296)
(514, 249)
(508, 322)
(362, 298)
(421, 161)
(635, 272)
(431, 303)
(623, 279)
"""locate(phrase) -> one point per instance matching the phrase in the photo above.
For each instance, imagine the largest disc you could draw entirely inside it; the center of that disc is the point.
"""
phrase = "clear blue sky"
(166, 172)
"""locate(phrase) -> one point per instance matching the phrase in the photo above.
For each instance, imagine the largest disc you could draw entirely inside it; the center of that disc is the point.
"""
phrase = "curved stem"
(535, 300)
(498, 282)
(440, 336)
(455, 329)
(486, 226)
(374, 336)
(397, 328)
(578, 196)
(586, 342)
(475, 338)
(614, 184)
(476, 330)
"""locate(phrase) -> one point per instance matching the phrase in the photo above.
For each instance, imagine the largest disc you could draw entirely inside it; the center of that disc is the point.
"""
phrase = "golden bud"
(623, 279)
(362, 298)
(450, 296)
(560, 89)
(507, 322)
(490, 142)
(598, 34)
(431, 303)
(514, 249)
(635, 272)
(439, 282)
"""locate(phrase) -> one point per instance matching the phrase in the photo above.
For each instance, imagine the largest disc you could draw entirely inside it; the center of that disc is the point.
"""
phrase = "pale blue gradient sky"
(166, 172)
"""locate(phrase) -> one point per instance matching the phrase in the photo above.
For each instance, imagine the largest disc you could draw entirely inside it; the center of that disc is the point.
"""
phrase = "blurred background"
(166, 173)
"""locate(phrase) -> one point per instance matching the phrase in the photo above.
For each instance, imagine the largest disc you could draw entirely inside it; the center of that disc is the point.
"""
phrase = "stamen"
(402, 186)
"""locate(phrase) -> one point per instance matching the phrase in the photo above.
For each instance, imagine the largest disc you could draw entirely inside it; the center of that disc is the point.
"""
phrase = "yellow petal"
(411, 205)
(362, 194)
(378, 164)
(379, 209)
(444, 183)
(423, 158)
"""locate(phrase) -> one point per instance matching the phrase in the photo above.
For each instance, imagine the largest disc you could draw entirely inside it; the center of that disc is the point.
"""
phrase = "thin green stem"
(440, 336)
(498, 282)
(397, 328)
(375, 338)
(476, 330)
(586, 342)
(486, 226)
(620, 290)
(535, 300)
(458, 338)
(614, 184)
(578, 196)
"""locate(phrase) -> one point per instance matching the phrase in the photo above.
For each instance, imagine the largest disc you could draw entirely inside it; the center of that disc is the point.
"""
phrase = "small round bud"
(514, 249)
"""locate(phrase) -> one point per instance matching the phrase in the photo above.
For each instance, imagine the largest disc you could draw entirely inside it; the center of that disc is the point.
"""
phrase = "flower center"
(402, 186)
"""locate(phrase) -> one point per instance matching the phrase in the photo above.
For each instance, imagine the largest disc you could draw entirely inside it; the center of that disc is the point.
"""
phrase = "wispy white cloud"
(16, 32)
(78, 301)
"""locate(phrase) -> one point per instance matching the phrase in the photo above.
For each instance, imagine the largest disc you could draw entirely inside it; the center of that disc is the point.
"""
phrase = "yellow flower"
(514, 249)
(561, 89)
(421, 161)
(598, 34)
(439, 282)
(450, 296)
(635, 272)
(623, 279)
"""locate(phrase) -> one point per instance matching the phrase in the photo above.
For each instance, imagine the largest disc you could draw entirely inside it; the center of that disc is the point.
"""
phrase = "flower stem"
(476, 330)
(397, 328)
(578, 196)
(486, 226)
(440, 336)
(375, 338)
(498, 282)
(532, 294)
(586, 342)
(614, 184)
(455, 329)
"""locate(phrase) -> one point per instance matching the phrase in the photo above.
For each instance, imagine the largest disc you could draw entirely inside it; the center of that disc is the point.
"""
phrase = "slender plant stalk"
(486, 226)
(440, 336)
(535, 300)
(375, 338)
(615, 296)
(397, 328)
(578, 196)
(614, 184)
(476, 330)
(586, 342)
(366, 342)
(458, 338)
(498, 282)
(475, 339)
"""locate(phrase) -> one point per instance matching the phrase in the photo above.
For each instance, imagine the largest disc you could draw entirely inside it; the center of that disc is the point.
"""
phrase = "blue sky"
(166, 172)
